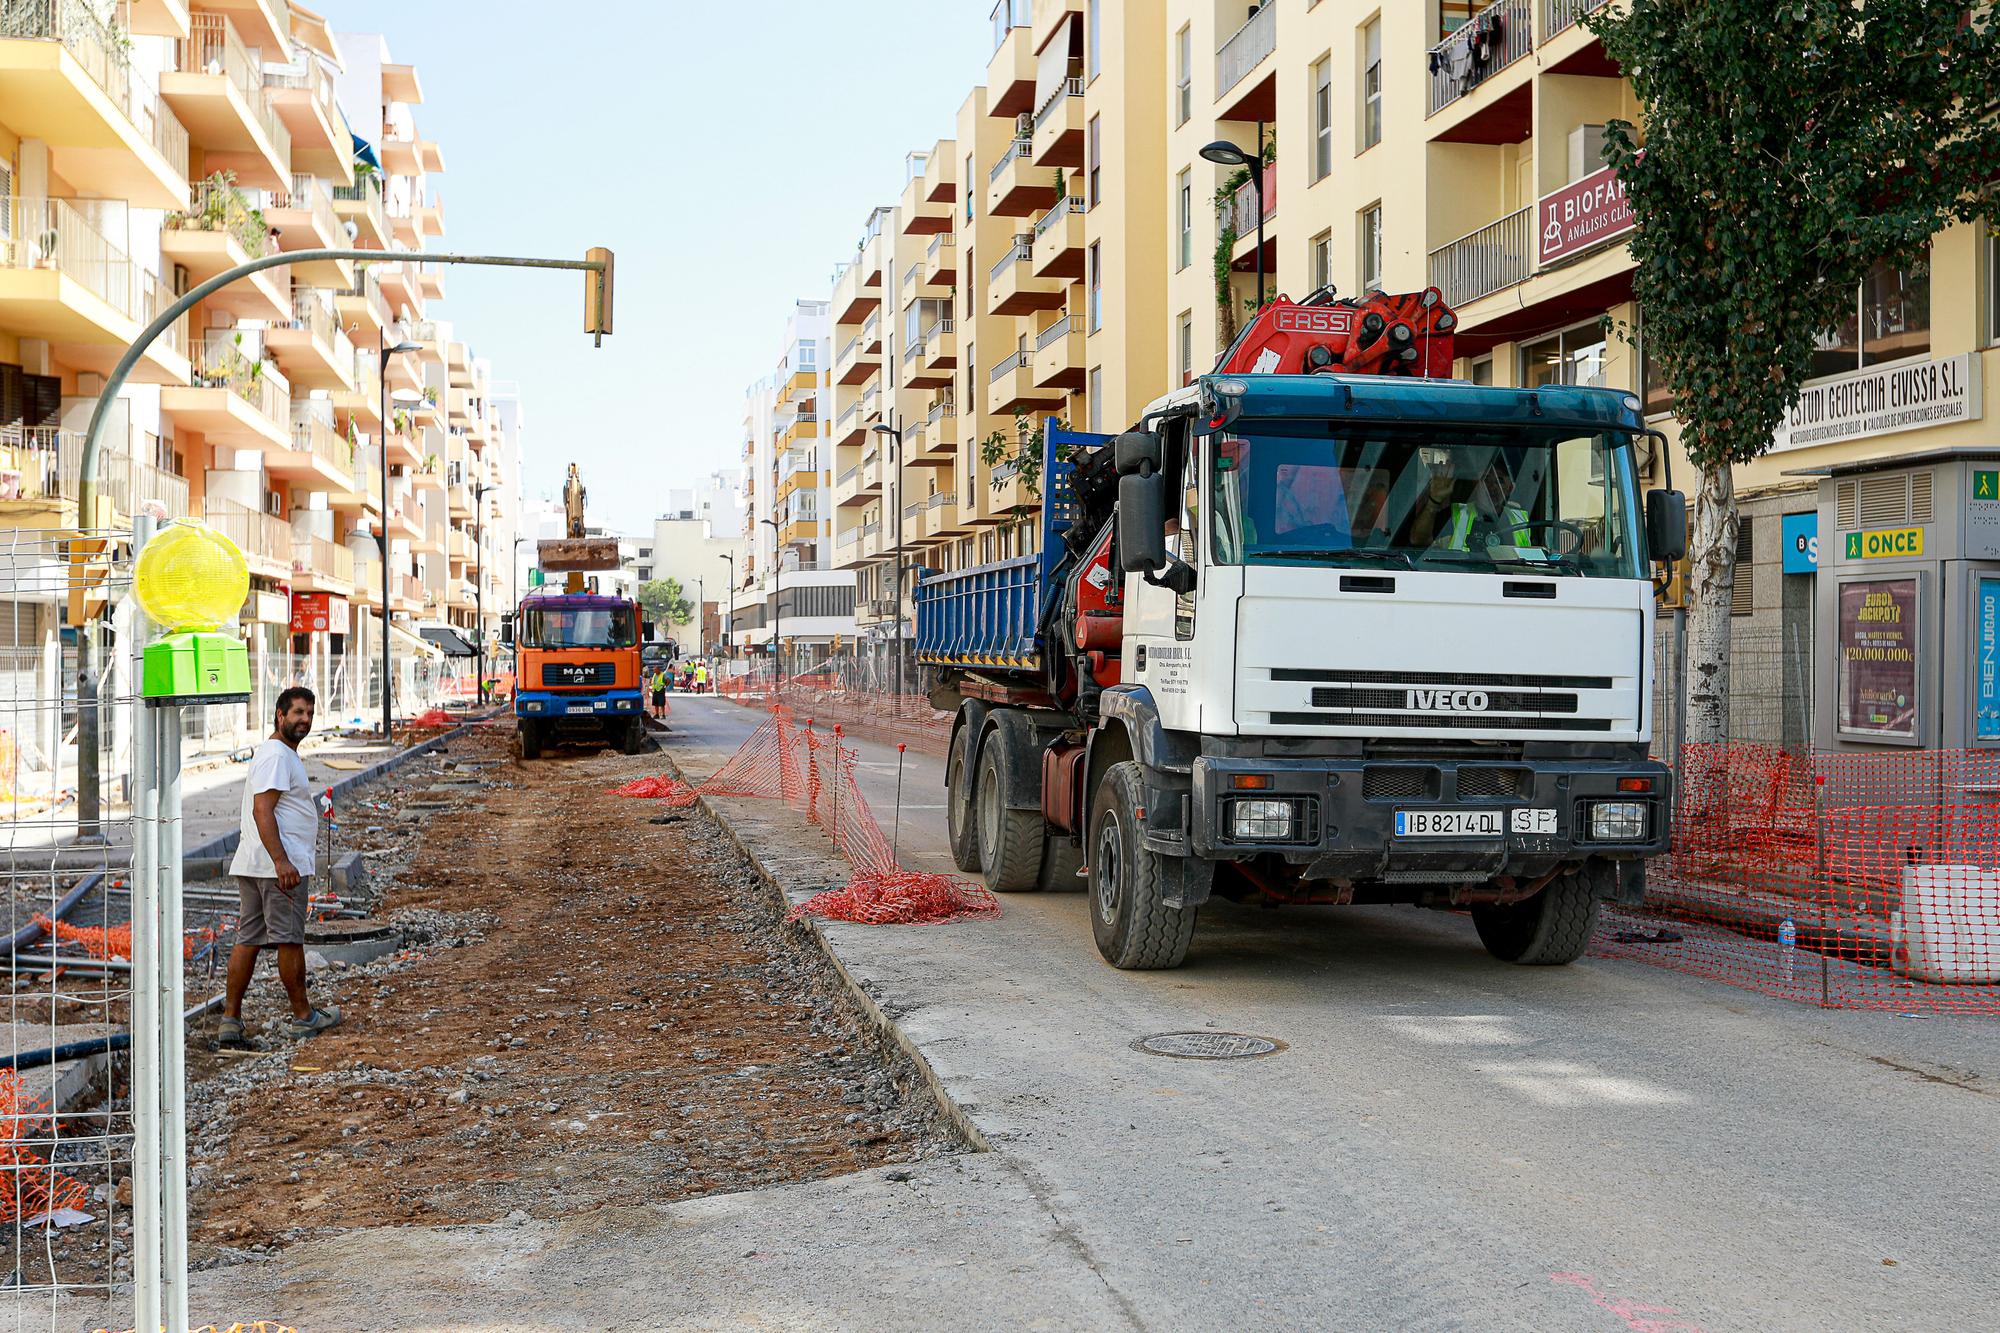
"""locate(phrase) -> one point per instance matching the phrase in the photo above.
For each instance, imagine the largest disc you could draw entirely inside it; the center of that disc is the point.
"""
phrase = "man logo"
(1445, 701)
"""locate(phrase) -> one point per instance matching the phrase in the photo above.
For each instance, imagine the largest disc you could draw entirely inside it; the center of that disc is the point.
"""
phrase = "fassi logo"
(1445, 701)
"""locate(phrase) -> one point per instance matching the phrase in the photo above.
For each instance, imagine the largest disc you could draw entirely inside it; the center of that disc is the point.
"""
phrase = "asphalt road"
(1444, 1141)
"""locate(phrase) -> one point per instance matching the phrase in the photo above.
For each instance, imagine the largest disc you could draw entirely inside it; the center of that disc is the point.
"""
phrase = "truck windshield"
(579, 627)
(1431, 497)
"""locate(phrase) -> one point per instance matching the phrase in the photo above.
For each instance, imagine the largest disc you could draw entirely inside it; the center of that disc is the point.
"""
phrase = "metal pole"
(479, 590)
(896, 829)
(896, 597)
(173, 1028)
(382, 546)
(147, 1186)
(729, 625)
(1680, 704)
(89, 734)
(1257, 180)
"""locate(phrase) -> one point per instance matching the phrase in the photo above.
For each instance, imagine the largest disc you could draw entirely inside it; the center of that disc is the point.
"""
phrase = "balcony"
(1240, 217)
(848, 427)
(1010, 74)
(796, 470)
(803, 426)
(1059, 355)
(400, 289)
(263, 23)
(923, 216)
(940, 517)
(364, 310)
(410, 596)
(918, 285)
(302, 217)
(1559, 16)
(361, 204)
(430, 217)
(851, 365)
(430, 281)
(1058, 136)
(303, 95)
(1012, 287)
(364, 488)
(1246, 78)
(853, 295)
(66, 78)
(1007, 492)
(937, 441)
(319, 457)
(40, 467)
(1011, 387)
(1493, 39)
(234, 399)
(1017, 187)
(941, 260)
(1494, 257)
(62, 281)
(854, 487)
(265, 539)
(940, 351)
(1059, 251)
(871, 332)
(311, 346)
(216, 232)
(433, 540)
(218, 92)
(319, 565)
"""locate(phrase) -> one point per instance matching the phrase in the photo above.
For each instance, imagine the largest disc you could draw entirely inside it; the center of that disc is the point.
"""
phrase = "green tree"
(664, 601)
(1789, 145)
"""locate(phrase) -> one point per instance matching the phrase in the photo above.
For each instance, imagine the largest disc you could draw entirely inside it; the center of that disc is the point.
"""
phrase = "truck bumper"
(1338, 819)
(599, 705)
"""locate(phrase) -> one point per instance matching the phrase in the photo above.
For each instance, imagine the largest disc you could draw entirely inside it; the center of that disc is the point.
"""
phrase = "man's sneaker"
(230, 1034)
(318, 1021)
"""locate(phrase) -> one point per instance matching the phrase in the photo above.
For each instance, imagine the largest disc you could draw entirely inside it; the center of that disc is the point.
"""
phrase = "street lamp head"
(402, 347)
(1226, 154)
(881, 429)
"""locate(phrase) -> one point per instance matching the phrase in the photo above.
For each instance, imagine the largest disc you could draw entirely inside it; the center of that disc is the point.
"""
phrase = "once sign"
(1885, 543)
(1582, 215)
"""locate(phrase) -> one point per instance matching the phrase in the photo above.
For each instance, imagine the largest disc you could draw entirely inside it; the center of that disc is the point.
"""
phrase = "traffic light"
(597, 294)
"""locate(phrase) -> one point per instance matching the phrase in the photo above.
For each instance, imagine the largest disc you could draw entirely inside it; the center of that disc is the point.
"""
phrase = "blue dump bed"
(987, 616)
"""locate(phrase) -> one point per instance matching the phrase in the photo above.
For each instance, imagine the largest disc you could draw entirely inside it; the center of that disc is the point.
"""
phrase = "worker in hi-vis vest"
(1445, 524)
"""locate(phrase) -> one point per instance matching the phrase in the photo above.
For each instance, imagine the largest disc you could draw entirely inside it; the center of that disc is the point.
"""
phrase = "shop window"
(1574, 356)
(1891, 321)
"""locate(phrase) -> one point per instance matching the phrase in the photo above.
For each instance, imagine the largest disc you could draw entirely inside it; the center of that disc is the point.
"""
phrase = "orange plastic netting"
(813, 772)
(34, 1187)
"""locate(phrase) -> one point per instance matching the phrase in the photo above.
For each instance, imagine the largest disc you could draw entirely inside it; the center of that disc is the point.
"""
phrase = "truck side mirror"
(1666, 525)
(648, 631)
(1142, 522)
(1136, 451)
(507, 627)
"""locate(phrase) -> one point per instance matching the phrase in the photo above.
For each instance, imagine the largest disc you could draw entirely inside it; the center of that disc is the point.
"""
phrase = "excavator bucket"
(577, 555)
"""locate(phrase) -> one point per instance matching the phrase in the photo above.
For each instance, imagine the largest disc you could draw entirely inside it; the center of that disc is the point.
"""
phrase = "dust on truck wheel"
(1548, 930)
(1134, 929)
(1010, 841)
(531, 738)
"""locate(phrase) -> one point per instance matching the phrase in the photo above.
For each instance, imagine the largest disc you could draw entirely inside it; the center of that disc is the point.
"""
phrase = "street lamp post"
(777, 600)
(1226, 154)
(700, 616)
(729, 624)
(895, 437)
(382, 538)
(479, 589)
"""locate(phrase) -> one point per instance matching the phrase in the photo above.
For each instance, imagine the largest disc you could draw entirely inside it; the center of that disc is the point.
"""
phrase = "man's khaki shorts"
(270, 915)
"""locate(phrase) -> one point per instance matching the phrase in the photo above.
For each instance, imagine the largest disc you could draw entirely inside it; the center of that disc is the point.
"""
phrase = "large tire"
(1061, 859)
(531, 739)
(1134, 930)
(1548, 930)
(1010, 841)
(634, 739)
(958, 804)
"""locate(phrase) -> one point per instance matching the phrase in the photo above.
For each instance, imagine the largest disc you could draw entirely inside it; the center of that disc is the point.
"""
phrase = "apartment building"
(145, 148)
(701, 542)
(790, 601)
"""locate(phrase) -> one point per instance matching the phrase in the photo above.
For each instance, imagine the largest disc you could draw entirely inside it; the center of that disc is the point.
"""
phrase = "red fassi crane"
(1378, 334)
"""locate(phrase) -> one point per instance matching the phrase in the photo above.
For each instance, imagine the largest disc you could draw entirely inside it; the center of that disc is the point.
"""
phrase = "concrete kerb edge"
(960, 1119)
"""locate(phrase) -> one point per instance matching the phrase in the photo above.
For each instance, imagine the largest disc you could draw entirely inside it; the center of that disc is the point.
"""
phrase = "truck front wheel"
(1548, 930)
(531, 739)
(633, 737)
(1010, 841)
(1133, 928)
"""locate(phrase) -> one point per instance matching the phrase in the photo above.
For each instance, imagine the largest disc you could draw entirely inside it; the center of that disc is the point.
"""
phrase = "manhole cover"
(1207, 1045)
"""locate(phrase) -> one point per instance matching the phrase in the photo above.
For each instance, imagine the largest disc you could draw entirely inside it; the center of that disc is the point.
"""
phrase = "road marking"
(1636, 1316)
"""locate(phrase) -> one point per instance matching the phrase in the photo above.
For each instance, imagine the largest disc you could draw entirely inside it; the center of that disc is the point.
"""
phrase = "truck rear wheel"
(531, 739)
(1010, 841)
(1133, 928)
(958, 805)
(1061, 859)
(1548, 930)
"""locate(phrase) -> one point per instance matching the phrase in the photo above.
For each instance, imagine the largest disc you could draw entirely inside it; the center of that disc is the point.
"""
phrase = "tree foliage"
(664, 601)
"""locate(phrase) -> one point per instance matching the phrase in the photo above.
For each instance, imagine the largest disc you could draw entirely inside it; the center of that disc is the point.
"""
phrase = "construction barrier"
(1840, 879)
(35, 1188)
(908, 718)
(812, 770)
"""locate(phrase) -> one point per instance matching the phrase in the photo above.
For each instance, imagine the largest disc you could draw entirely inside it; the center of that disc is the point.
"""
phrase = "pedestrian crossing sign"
(1986, 485)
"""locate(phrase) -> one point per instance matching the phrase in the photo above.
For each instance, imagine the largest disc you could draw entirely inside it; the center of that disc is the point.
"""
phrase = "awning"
(450, 640)
(313, 30)
(364, 151)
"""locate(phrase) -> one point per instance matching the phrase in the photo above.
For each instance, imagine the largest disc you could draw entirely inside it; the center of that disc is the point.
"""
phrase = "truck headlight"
(1618, 821)
(532, 705)
(1263, 821)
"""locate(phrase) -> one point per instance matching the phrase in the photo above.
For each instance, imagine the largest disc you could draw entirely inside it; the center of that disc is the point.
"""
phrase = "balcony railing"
(943, 240)
(44, 463)
(1054, 333)
(1068, 88)
(1496, 256)
(313, 312)
(939, 328)
(54, 234)
(795, 461)
(914, 350)
(307, 195)
(258, 534)
(1061, 209)
(852, 474)
(309, 74)
(1241, 214)
(154, 299)
(220, 364)
(1466, 59)
(330, 560)
(847, 349)
(944, 499)
(106, 57)
(1011, 362)
(212, 47)
(1251, 45)
(368, 286)
(941, 407)
(1561, 15)
(1019, 148)
(847, 537)
(366, 191)
(320, 439)
(1022, 250)
(216, 205)
(847, 417)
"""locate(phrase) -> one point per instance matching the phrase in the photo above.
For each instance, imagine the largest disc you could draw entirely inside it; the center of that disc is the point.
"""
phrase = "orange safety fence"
(1850, 880)
(114, 941)
(34, 1187)
(813, 771)
(909, 718)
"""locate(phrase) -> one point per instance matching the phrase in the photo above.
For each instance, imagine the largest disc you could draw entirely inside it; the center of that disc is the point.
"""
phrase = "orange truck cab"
(577, 671)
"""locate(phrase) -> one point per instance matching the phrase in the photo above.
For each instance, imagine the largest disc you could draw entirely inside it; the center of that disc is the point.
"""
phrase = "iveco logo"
(1445, 701)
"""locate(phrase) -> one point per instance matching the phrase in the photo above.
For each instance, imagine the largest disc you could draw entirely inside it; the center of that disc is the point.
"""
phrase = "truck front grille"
(1464, 680)
(1477, 783)
(1443, 721)
(578, 673)
(1399, 782)
(1499, 701)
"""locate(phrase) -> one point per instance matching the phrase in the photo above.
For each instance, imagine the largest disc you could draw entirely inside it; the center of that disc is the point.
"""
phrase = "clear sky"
(727, 152)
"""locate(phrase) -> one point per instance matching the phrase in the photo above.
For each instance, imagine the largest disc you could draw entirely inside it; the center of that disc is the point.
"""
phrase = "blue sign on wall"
(1986, 661)
(1802, 543)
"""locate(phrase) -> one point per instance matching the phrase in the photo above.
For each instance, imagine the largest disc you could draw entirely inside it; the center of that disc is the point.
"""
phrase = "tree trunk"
(1713, 578)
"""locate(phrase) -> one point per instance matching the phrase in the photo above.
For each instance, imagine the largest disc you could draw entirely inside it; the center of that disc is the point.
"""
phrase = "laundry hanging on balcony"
(1473, 52)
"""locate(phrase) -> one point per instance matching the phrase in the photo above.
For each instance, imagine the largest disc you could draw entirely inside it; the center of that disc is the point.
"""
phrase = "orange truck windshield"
(580, 627)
